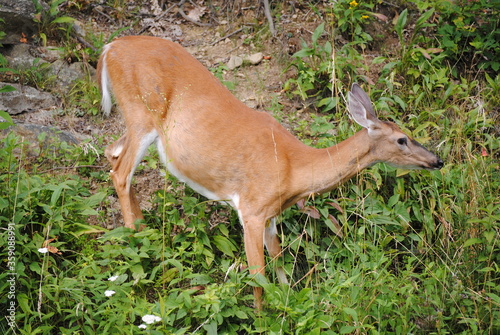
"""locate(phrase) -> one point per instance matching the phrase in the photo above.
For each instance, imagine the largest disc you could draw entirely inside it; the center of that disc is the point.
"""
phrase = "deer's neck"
(328, 168)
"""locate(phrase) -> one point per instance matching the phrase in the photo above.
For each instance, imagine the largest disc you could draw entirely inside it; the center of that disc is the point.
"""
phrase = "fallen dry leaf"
(196, 13)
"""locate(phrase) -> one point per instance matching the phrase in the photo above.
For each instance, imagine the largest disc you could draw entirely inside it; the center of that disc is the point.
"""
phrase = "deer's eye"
(402, 141)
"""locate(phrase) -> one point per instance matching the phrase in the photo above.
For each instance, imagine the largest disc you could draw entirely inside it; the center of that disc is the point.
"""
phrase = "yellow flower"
(364, 17)
(353, 3)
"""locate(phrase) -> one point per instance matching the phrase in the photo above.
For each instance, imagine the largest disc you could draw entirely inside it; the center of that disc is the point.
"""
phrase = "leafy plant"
(469, 33)
(7, 120)
(412, 50)
(38, 75)
(2, 33)
(313, 67)
(350, 18)
(218, 73)
(51, 21)
(73, 49)
(85, 97)
(319, 66)
(3, 114)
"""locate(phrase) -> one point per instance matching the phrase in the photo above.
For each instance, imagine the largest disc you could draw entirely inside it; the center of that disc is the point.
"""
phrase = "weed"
(39, 75)
(50, 20)
(5, 118)
(85, 97)
(218, 73)
(465, 37)
(350, 18)
(313, 67)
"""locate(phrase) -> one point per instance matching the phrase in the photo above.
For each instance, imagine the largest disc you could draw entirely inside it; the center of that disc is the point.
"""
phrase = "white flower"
(43, 250)
(113, 278)
(149, 319)
(143, 326)
(109, 293)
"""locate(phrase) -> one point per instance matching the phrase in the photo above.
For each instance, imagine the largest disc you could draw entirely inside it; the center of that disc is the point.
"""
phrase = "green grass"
(417, 253)
(389, 252)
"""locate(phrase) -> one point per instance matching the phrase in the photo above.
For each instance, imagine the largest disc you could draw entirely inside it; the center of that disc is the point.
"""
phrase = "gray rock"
(30, 134)
(255, 58)
(234, 62)
(17, 16)
(25, 99)
(67, 74)
(33, 131)
(20, 57)
(23, 57)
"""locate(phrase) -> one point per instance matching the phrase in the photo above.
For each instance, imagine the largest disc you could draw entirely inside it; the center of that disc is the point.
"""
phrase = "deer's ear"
(361, 109)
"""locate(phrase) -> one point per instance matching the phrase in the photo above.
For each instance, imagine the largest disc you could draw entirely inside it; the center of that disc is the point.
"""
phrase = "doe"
(225, 150)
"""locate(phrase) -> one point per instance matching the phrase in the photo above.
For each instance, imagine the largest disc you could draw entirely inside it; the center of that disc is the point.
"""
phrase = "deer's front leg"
(254, 249)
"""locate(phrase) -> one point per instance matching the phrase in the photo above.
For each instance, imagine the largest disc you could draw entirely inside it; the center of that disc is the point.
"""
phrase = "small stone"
(234, 62)
(255, 58)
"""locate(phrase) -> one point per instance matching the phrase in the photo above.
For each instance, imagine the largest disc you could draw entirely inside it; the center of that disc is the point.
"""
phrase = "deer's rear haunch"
(225, 150)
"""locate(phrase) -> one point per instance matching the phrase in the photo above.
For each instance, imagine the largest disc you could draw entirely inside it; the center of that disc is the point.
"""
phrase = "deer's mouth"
(438, 164)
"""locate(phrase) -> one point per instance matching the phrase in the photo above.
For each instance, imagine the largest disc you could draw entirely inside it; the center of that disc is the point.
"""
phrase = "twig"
(224, 37)
(156, 19)
(103, 14)
(181, 11)
(83, 41)
(306, 275)
(267, 11)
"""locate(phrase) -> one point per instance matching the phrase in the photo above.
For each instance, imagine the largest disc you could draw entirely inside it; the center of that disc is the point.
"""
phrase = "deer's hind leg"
(272, 243)
(124, 155)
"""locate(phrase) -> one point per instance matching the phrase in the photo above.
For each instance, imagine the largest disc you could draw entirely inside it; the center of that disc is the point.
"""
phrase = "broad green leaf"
(56, 194)
(494, 297)
(7, 88)
(79, 229)
(351, 312)
(223, 244)
(303, 53)
(421, 21)
(401, 23)
(8, 120)
(472, 241)
(347, 329)
(211, 328)
(489, 235)
(22, 300)
(317, 32)
(64, 19)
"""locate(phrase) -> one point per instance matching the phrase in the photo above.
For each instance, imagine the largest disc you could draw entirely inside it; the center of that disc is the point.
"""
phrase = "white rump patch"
(117, 151)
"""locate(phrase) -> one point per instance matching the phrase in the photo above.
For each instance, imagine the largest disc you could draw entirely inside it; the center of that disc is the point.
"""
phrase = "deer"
(226, 151)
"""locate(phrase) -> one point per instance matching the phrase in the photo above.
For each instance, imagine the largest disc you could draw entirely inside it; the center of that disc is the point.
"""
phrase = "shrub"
(469, 33)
